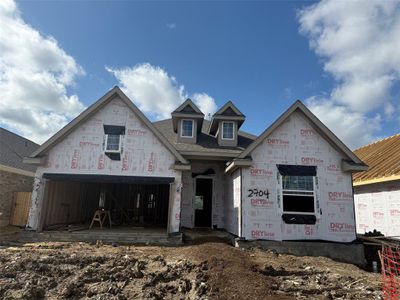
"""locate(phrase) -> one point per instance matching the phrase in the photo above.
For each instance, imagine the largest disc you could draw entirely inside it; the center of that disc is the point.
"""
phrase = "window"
(113, 143)
(298, 194)
(151, 203)
(227, 131)
(187, 128)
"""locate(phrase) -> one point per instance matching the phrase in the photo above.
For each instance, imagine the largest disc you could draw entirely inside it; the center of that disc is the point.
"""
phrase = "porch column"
(174, 216)
(36, 212)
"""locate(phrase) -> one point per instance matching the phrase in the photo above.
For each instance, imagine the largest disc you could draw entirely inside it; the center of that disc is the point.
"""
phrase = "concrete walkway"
(118, 235)
(199, 235)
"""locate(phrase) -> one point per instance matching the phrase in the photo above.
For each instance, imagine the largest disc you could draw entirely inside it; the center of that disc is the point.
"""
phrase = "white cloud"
(171, 25)
(206, 104)
(288, 93)
(352, 127)
(35, 73)
(156, 92)
(358, 42)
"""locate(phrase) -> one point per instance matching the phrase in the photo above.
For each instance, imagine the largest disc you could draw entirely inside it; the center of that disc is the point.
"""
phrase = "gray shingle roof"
(205, 141)
(13, 148)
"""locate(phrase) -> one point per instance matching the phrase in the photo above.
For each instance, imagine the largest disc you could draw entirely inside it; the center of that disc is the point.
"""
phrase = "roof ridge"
(377, 141)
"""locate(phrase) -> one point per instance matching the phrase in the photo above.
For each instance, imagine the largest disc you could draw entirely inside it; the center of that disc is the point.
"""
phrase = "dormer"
(187, 121)
(225, 124)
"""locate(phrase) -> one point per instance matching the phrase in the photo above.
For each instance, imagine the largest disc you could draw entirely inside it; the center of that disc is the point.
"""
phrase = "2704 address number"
(258, 193)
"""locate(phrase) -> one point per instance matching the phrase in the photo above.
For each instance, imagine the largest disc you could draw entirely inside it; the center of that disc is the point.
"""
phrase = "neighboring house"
(15, 176)
(377, 191)
(293, 182)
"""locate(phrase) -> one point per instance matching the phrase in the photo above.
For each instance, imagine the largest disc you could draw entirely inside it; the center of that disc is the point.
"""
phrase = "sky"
(341, 58)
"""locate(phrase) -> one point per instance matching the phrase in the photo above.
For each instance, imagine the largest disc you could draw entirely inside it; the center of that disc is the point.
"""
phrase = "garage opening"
(130, 201)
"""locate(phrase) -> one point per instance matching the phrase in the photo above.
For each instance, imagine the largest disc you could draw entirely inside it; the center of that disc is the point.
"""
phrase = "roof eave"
(18, 171)
(376, 180)
(238, 163)
(212, 155)
(349, 166)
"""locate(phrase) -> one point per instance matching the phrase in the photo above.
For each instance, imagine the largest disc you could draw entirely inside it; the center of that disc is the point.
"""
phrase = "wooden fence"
(20, 208)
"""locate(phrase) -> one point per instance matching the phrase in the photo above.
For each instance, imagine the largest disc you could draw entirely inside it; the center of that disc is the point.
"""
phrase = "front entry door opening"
(203, 202)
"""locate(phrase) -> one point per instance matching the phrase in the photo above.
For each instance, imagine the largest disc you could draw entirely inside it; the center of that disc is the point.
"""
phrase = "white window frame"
(233, 130)
(302, 194)
(187, 136)
(119, 147)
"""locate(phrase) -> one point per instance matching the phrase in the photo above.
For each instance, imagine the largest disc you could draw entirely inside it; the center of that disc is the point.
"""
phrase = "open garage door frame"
(70, 188)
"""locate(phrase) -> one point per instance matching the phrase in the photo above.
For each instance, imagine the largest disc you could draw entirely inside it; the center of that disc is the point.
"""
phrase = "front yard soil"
(211, 270)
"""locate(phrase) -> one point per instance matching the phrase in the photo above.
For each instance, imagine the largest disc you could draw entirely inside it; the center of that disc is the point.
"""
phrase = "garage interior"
(132, 201)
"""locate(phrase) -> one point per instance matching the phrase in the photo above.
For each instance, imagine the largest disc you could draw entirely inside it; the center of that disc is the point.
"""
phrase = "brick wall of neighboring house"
(10, 183)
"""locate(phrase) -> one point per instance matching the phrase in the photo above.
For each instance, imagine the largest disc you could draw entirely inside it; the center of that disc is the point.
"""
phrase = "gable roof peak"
(228, 112)
(92, 109)
(321, 127)
(188, 106)
(229, 106)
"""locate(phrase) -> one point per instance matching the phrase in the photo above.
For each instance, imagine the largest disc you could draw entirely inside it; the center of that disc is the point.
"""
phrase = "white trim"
(119, 146)
(180, 167)
(16, 171)
(187, 136)
(235, 164)
(312, 194)
(233, 131)
(35, 161)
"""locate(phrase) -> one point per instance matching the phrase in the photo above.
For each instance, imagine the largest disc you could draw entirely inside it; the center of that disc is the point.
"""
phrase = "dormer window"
(228, 131)
(225, 125)
(113, 143)
(187, 128)
(187, 121)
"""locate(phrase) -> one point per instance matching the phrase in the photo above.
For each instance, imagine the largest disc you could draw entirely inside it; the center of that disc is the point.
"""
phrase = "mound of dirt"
(212, 270)
(316, 277)
(35, 273)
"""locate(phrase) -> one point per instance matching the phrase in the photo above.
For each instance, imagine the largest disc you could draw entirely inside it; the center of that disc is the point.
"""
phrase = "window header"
(113, 129)
(296, 170)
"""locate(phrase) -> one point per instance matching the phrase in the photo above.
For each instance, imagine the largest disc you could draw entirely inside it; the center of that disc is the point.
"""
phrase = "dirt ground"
(211, 270)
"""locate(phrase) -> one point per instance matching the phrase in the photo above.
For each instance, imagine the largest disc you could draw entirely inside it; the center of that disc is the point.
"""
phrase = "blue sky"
(252, 53)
